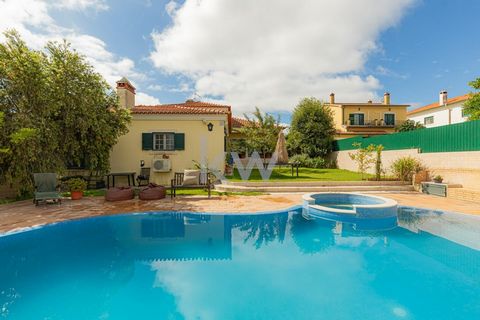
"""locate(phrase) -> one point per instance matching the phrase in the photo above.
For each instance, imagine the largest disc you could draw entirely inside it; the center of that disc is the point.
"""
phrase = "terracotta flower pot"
(76, 195)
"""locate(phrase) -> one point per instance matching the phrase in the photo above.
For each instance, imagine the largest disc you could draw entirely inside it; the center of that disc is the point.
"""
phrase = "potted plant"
(76, 187)
(438, 179)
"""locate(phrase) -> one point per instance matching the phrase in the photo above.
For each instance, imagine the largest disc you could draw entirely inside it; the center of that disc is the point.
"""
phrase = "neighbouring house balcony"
(376, 123)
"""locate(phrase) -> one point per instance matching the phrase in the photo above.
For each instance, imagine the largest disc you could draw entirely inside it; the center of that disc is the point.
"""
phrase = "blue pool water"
(271, 266)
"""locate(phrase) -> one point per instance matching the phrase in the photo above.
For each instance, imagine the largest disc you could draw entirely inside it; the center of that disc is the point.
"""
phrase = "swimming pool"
(266, 266)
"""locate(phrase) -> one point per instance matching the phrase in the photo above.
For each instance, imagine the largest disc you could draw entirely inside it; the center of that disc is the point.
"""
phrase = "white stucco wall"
(455, 167)
(441, 115)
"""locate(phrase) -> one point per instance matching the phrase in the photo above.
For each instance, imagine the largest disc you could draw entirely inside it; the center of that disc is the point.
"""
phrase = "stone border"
(49, 224)
(387, 203)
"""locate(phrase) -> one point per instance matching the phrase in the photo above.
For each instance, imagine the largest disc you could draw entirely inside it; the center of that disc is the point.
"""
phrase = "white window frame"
(163, 141)
(429, 117)
(354, 113)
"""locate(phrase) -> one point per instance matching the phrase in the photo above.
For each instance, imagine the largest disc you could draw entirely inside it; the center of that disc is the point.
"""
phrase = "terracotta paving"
(23, 214)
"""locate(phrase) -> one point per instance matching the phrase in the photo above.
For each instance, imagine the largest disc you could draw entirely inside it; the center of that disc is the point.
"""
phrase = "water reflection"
(176, 266)
(175, 236)
(311, 236)
(260, 229)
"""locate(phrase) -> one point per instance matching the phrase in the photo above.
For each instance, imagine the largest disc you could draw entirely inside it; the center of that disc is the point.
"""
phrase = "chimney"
(125, 93)
(443, 98)
(386, 98)
(332, 98)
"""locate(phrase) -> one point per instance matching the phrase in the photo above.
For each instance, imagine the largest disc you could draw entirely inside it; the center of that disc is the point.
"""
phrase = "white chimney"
(443, 98)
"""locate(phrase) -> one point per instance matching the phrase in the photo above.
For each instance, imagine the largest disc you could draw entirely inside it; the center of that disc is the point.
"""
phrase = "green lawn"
(304, 174)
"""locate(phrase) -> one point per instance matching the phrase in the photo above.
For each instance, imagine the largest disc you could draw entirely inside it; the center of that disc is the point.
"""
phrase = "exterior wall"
(455, 167)
(464, 194)
(372, 112)
(337, 116)
(442, 115)
(376, 112)
(199, 144)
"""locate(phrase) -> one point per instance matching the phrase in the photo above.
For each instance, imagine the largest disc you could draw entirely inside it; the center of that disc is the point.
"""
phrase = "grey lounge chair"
(46, 188)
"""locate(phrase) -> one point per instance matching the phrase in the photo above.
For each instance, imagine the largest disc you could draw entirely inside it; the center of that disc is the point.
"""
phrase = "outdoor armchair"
(46, 188)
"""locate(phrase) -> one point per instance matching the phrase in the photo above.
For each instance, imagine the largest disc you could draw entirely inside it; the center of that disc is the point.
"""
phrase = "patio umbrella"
(281, 148)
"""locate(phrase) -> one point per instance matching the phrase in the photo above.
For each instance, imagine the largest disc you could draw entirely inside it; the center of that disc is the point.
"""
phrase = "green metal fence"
(456, 137)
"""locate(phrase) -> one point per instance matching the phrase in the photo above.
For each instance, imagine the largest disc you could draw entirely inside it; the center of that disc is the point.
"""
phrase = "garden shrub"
(405, 167)
(305, 161)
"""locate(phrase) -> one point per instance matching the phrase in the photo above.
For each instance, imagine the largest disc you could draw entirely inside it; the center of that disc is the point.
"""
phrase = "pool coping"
(310, 200)
(49, 224)
(286, 210)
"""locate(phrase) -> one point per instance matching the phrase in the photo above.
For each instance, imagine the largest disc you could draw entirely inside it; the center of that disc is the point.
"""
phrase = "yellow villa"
(170, 138)
(366, 119)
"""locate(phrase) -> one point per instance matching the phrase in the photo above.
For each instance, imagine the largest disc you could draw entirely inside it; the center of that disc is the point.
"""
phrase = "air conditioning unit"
(161, 165)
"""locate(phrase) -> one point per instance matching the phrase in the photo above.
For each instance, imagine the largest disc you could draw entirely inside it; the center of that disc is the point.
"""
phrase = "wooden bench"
(205, 182)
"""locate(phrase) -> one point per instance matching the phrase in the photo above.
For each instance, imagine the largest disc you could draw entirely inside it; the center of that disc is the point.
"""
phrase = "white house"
(445, 111)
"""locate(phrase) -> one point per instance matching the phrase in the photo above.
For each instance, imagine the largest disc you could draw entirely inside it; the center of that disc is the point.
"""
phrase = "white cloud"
(170, 7)
(181, 87)
(81, 4)
(272, 53)
(142, 98)
(381, 70)
(31, 18)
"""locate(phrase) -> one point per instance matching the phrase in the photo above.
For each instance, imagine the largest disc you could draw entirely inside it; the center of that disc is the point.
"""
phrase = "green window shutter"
(147, 141)
(351, 119)
(179, 141)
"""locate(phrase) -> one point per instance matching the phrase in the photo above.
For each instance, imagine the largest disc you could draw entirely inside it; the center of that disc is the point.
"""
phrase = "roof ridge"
(437, 104)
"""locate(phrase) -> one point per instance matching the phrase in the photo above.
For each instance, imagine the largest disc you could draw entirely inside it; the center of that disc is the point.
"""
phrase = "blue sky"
(266, 53)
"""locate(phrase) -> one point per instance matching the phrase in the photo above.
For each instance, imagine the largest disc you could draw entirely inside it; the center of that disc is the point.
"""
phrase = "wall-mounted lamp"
(210, 126)
(142, 163)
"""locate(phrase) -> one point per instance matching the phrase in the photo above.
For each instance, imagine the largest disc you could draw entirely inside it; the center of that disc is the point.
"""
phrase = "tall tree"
(261, 132)
(472, 106)
(410, 125)
(312, 129)
(67, 111)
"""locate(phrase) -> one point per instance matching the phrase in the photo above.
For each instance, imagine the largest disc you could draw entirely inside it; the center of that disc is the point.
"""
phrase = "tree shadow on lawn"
(304, 174)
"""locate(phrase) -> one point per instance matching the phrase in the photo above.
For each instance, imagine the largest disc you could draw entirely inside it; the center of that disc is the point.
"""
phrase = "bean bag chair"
(119, 194)
(152, 192)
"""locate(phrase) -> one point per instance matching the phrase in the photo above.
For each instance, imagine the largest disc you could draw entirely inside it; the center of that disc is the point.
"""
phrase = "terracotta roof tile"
(189, 107)
(436, 104)
(239, 122)
(183, 108)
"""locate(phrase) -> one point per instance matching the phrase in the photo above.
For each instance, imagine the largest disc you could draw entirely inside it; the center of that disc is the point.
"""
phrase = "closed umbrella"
(281, 149)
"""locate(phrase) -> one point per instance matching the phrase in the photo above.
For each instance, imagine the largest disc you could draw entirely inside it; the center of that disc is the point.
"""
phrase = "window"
(164, 141)
(428, 120)
(464, 114)
(389, 119)
(356, 119)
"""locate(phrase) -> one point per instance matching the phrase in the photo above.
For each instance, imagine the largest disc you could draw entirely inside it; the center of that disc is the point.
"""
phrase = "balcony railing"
(374, 123)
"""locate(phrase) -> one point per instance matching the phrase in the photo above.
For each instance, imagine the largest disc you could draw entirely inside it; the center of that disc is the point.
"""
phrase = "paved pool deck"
(23, 214)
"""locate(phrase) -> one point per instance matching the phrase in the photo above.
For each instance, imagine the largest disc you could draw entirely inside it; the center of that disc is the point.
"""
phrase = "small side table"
(130, 176)
(294, 165)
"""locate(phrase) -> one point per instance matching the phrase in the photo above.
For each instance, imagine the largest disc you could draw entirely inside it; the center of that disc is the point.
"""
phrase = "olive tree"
(56, 110)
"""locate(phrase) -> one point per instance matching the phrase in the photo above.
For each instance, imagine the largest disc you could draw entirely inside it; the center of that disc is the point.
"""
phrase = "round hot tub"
(364, 211)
